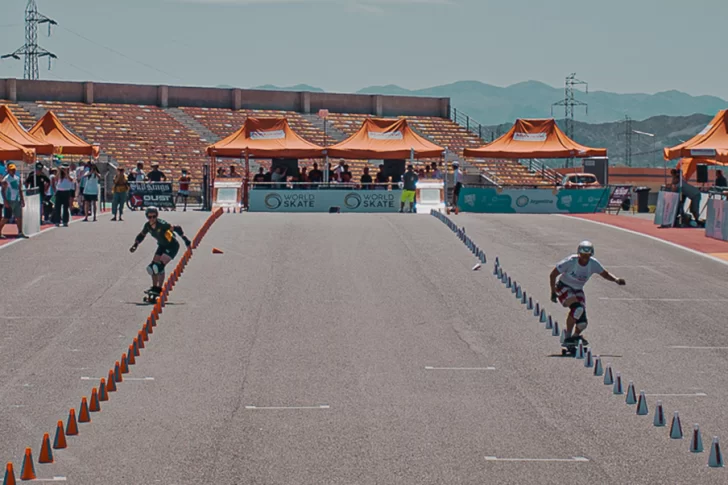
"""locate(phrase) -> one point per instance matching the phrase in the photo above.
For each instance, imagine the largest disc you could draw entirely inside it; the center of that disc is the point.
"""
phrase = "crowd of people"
(339, 175)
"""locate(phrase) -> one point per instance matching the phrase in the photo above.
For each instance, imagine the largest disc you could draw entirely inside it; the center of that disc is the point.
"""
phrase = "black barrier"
(145, 194)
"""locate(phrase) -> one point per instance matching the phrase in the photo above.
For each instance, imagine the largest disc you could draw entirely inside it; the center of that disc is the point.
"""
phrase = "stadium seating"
(132, 133)
(26, 119)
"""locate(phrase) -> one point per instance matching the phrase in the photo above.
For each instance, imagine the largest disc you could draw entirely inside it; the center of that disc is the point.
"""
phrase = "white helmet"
(586, 247)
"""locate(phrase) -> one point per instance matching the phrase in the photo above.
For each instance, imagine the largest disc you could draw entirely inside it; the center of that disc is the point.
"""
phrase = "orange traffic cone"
(9, 474)
(83, 415)
(144, 335)
(135, 345)
(46, 455)
(60, 442)
(140, 339)
(130, 353)
(72, 425)
(111, 382)
(95, 406)
(216, 251)
(124, 365)
(28, 470)
(148, 326)
(117, 372)
(103, 395)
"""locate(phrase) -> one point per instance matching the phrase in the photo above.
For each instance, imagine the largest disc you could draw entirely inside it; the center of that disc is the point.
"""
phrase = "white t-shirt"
(575, 275)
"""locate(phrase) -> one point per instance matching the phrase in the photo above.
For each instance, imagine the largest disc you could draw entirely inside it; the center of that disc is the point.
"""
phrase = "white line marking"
(320, 406)
(696, 394)
(696, 348)
(36, 280)
(664, 299)
(705, 255)
(427, 367)
(54, 479)
(573, 459)
(124, 378)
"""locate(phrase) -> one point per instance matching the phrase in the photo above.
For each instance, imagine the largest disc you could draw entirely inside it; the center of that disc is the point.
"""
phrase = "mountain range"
(491, 105)
(672, 116)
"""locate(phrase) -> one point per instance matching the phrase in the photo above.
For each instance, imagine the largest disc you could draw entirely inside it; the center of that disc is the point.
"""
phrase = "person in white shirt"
(567, 284)
(91, 191)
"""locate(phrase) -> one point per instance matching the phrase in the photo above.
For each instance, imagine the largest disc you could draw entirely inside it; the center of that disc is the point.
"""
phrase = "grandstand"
(173, 125)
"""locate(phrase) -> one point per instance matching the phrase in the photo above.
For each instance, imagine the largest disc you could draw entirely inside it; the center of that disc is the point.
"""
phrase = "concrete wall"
(176, 96)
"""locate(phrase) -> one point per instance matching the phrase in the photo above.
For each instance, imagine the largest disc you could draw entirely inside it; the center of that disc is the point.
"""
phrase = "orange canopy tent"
(534, 138)
(9, 150)
(10, 127)
(49, 129)
(711, 143)
(385, 139)
(265, 138)
(690, 165)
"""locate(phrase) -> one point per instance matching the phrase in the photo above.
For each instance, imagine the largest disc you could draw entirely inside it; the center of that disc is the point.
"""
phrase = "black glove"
(133, 248)
(187, 241)
(553, 297)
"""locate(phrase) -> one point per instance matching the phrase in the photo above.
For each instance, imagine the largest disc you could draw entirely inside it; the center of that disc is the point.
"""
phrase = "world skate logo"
(352, 201)
(522, 201)
(273, 201)
(469, 200)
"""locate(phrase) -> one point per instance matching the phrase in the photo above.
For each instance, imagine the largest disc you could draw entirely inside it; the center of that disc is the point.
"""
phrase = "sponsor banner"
(262, 200)
(703, 152)
(145, 194)
(666, 210)
(533, 201)
(268, 135)
(619, 195)
(529, 136)
(716, 225)
(380, 135)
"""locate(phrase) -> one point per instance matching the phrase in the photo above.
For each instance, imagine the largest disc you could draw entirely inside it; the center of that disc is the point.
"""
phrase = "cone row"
(106, 386)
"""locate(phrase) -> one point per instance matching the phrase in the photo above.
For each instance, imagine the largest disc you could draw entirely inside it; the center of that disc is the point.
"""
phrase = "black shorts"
(170, 249)
(456, 190)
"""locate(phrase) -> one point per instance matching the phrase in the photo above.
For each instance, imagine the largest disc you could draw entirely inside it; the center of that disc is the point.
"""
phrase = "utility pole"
(31, 50)
(569, 102)
(628, 140)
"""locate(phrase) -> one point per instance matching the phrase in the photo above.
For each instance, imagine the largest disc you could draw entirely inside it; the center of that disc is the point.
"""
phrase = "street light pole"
(654, 152)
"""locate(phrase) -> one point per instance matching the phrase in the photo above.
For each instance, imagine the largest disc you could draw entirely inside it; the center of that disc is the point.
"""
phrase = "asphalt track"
(301, 355)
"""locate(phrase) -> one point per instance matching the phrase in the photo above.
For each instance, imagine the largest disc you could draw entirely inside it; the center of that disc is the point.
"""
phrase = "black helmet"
(151, 210)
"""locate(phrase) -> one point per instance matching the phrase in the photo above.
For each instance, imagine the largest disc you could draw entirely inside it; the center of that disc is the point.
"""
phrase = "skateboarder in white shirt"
(573, 273)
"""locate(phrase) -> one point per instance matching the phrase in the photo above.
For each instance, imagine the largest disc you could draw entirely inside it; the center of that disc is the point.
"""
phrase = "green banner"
(533, 201)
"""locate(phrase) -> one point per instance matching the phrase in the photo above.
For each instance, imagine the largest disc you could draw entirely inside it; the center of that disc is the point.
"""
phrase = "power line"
(121, 54)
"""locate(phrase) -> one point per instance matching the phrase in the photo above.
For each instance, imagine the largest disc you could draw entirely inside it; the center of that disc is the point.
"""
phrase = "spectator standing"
(156, 175)
(315, 175)
(120, 193)
(381, 179)
(409, 182)
(184, 189)
(64, 196)
(40, 181)
(12, 188)
(366, 179)
(720, 180)
(278, 176)
(90, 191)
(137, 174)
(457, 177)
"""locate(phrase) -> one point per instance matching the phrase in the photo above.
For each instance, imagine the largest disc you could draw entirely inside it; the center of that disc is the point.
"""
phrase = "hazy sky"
(344, 45)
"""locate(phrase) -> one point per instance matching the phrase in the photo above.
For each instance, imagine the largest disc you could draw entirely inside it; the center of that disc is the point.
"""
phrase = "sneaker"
(113, 218)
(22, 236)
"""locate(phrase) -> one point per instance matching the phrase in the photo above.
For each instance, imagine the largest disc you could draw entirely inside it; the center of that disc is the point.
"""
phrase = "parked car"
(580, 181)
